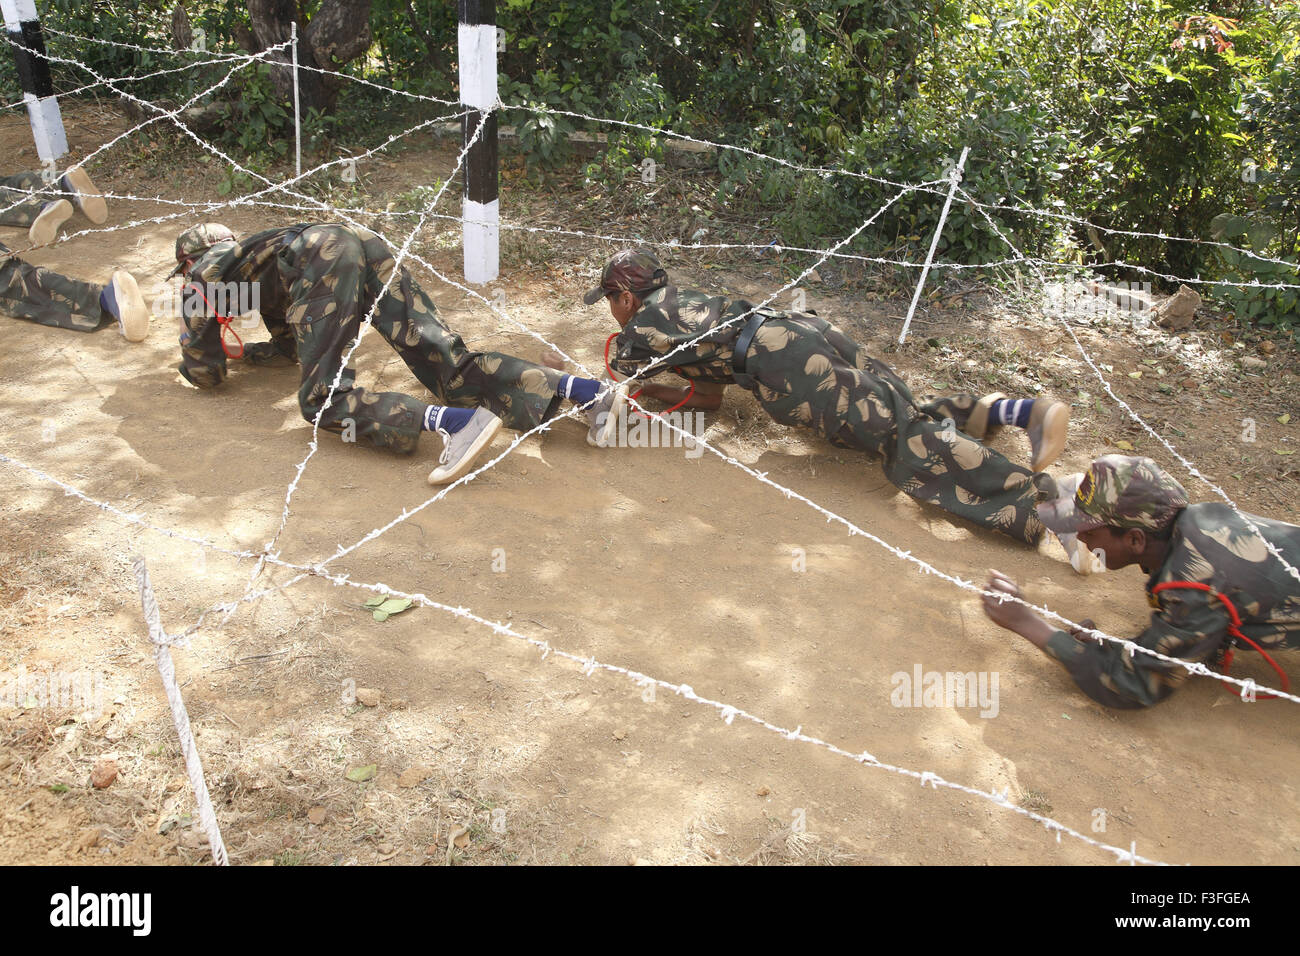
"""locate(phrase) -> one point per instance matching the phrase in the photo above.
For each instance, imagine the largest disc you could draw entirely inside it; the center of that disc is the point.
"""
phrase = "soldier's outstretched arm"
(707, 395)
(1189, 627)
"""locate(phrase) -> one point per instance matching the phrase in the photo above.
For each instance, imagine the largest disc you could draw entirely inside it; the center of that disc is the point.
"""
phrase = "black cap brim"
(177, 270)
(595, 295)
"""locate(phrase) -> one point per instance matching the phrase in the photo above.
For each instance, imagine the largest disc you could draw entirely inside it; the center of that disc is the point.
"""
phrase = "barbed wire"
(590, 665)
(821, 171)
(301, 66)
(1131, 233)
(214, 55)
(690, 343)
(395, 273)
(686, 344)
(1193, 667)
(826, 172)
(163, 114)
(1191, 469)
(131, 78)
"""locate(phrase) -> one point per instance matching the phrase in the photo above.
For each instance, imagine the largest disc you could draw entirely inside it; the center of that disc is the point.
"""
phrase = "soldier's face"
(1121, 547)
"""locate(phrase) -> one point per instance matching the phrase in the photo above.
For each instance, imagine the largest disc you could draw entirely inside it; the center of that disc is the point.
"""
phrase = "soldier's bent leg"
(933, 460)
(326, 266)
(520, 393)
(806, 377)
(47, 298)
(18, 190)
(938, 463)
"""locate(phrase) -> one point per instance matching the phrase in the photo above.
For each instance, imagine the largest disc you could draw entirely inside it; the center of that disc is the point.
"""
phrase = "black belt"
(740, 351)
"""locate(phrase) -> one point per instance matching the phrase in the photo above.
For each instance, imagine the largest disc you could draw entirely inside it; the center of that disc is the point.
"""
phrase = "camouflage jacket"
(1210, 544)
(671, 316)
(226, 273)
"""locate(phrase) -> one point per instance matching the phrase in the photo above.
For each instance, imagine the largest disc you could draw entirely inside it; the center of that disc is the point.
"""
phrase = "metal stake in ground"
(166, 669)
(297, 112)
(480, 215)
(955, 177)
(23, 28)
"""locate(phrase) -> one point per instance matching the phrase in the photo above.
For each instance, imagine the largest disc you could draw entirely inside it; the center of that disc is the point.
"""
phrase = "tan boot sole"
(1054, 429)
(610, 428)
(88, 199)
(134, 322)
(45, 228)
(439, 476)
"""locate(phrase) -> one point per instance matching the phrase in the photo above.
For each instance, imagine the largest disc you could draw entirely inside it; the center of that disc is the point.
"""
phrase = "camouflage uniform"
(19, 188)
(47, 298)
(1209, 544)
(804, 371)
(317, 282)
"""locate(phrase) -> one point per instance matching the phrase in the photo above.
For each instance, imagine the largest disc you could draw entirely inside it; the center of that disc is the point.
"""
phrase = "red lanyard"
(609, 341)
(224, 321)
(1234, 628)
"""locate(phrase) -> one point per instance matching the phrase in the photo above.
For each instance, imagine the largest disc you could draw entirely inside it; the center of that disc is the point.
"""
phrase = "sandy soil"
(679, 568)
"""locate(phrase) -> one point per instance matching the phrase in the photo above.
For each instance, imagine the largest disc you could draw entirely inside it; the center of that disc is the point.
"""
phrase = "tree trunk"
(337, 34)
(182, 35)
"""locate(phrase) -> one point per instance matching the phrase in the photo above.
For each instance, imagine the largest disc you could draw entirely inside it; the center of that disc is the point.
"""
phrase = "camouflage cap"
(1119, 491)
(199, 239)
(632, 270)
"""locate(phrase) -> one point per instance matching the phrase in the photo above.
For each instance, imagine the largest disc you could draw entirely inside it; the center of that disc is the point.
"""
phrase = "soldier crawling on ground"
(1214, 582)
(25, 201)
(806, 372)
(47, 298)
(316, 283)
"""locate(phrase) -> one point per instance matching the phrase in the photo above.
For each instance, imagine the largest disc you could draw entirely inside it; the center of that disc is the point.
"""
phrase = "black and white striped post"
(480, 213)
(23, 27)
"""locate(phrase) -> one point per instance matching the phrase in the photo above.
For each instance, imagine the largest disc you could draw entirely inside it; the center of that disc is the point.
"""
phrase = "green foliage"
(543, 136)
(1139, 116)
(636, 97)
(1274, 307)
(254, 121)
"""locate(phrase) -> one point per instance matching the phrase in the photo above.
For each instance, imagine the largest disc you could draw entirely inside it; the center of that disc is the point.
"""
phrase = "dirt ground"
(677, 567)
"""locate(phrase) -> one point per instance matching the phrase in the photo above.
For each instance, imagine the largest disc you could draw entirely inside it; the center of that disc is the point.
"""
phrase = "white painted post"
(297, 113)
(955, 177)
(480, 211)
(23, 27)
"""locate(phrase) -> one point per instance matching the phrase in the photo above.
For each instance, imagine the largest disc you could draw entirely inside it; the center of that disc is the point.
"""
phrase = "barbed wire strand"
(180, 717)
(756, 474)
(821, 171)
(1191, 468)
(590, 665)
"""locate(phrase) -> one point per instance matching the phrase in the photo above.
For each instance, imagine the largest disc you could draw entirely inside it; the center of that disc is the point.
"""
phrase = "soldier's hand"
(1006, 613)
(1085, 625)
(553, 360)
(1011, 614)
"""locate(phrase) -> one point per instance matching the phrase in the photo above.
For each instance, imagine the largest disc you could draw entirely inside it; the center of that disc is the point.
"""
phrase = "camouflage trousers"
(18, 189)
(47, 298)
(334, 275)
(809, 373)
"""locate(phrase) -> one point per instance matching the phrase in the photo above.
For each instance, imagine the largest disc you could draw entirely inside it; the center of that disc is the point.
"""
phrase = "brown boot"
(85, 194)
(1049, 425)
(123, 301)
(45, 227)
